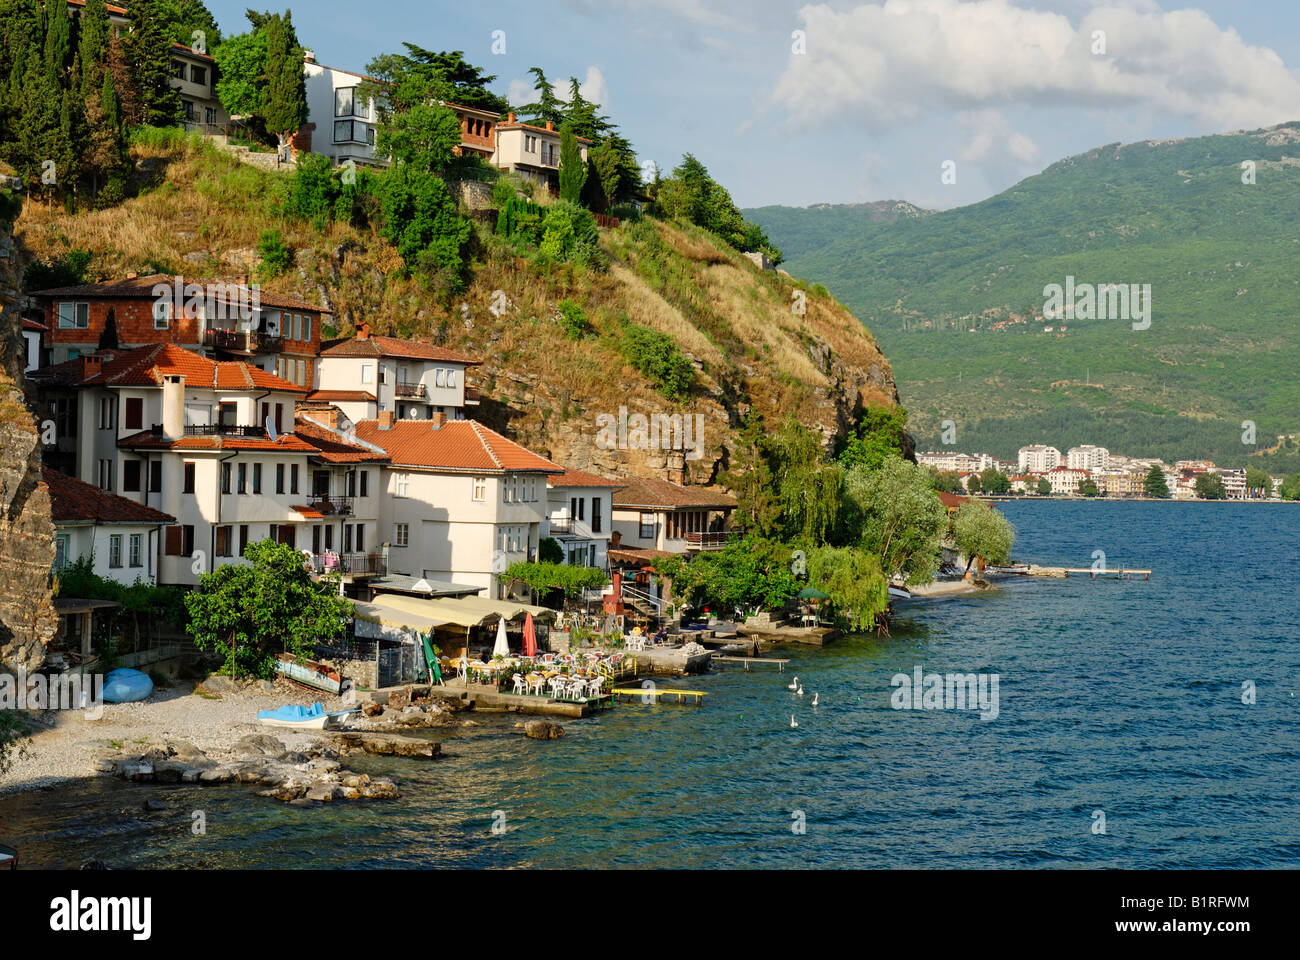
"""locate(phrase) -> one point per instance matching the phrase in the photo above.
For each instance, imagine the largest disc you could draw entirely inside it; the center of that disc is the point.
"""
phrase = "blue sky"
(885, 92)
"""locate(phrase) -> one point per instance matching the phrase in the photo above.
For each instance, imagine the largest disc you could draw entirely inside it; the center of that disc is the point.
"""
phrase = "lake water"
(1118, 697)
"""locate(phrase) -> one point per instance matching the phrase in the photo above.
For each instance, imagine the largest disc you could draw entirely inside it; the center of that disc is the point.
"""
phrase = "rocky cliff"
(27, 618)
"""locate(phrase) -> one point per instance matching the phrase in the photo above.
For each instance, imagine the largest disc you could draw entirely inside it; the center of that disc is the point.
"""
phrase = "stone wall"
(27, 619)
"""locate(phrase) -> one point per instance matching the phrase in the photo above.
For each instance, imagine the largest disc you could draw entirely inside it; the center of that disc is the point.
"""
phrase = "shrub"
(657, 356)
(276, 255)
(65, 271)
(573, 320)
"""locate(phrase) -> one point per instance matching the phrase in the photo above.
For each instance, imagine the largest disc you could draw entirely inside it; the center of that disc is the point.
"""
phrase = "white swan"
(814, 703)
(800, 690)
(794, 685)
(793, 722)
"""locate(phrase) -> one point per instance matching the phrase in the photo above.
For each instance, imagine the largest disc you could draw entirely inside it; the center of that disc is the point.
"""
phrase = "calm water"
(1123, 697)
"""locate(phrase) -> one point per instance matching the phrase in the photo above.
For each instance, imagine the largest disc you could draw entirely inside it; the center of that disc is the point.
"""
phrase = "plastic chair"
(519, 683)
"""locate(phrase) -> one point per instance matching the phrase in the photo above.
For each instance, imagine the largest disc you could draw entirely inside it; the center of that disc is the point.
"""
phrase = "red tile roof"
(335, 396)
(33, 325)
(74, 501)
(333, 447)
(141, 288)
(146, 366)
(657, 494)
(285, 443)
(374, 346)
(458, 445)
(580, 478)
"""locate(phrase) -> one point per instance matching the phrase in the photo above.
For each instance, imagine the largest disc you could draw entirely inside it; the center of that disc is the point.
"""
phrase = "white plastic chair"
(594, 685)
(519, 683)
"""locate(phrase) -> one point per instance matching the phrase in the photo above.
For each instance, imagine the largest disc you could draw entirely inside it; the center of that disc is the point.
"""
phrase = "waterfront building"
(654, 514)
(1037, 458)
(581, 516)
(1088, 457)
(1065, 480)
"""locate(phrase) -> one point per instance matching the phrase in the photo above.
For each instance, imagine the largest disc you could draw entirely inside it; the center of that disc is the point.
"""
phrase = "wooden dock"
(658, 692)
(1120, 574)
(780, 663)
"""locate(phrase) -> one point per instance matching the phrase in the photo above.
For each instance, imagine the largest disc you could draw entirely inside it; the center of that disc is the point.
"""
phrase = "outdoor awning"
(309, 513)
(396, 617)
(460, 611)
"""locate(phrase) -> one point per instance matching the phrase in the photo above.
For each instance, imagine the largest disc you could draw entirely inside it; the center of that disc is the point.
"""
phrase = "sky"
(937, 102)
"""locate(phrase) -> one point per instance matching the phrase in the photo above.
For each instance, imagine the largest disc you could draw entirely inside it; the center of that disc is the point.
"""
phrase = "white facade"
(1037, 458)
(1065, 480)
(414, 389)
(1088, 457)
(342, 124)
(125, 552)
(581, 519)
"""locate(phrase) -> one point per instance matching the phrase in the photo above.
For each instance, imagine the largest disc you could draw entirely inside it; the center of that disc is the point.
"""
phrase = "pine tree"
(148, 53)
(284, 97)
(548, 106)
(1154, 485)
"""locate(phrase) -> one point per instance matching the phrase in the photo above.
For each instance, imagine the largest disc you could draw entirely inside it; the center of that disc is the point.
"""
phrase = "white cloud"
(886, 63)
(521, 92)
(593, 87)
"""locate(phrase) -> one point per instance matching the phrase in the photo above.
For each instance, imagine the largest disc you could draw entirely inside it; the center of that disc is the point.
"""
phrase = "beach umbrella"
(812, 593)
(530, 637)
(501, 648)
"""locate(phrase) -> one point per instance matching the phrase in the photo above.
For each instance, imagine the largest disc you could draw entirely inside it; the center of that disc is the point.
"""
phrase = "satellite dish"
(271, 432)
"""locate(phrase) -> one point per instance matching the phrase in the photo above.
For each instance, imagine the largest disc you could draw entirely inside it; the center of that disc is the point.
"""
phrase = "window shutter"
(173, 544)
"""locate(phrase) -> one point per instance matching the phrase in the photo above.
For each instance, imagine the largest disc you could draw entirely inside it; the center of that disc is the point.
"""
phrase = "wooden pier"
(1120, 574)
(657, 692)
(780, 663)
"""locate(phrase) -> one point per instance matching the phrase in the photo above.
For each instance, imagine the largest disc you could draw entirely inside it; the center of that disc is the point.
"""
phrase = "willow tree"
(894, 513)
(981, 531)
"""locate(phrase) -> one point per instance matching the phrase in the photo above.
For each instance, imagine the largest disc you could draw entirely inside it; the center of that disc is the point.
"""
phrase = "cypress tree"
(92, 46)
(284, 97)
(148, 54)
(573, 172)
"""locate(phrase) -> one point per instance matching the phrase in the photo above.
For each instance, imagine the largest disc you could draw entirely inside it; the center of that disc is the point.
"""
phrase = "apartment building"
(194, 77)
(1037, 458)
(460, 501)
(1087, 457)
(653, 514)
(120, 537)
(1065, 480)
(410, 379)
(581, 516)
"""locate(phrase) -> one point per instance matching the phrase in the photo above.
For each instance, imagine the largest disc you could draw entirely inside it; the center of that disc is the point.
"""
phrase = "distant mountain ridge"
(1220, 252)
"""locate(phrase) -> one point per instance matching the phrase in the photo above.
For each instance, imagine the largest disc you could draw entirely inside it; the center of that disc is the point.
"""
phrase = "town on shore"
(1088, 470)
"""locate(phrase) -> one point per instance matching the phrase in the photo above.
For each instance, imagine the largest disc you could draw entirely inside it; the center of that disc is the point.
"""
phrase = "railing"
(338, 506)
(220, 430)
(654, 603)
(349, 564)
(405, 388)
(563, 525)
(243, 341)
(711, 540)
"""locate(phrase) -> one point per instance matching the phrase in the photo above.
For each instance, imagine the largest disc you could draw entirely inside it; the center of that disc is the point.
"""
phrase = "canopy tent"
(502, 647)
(812, 593)
(396, 617)
(459, 611)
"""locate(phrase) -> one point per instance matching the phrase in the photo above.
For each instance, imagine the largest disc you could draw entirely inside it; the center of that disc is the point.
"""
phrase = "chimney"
(173, 407)
(91, 364)
(363, 331)
(309, 56)
(132, 275)
(510, 117)
(437, 419)
(615, 538)
(550, 125)
(385, 419)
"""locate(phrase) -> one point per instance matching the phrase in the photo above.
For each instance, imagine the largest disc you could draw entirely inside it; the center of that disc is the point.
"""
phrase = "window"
(161, 312)
(134, 413)
(178, 69)
(227, 414)
(257, 478)
(223, 541)
(297, 326)
(105, 476)
(595, 514)
(365, 482)
(60, 552)
(343, 100)
(115, 550)
(441, 377)
(225, 478)
(209, 115)
(131, 476)
(306, 327)
(353, 131)
(347, 538)
(480, 488)
(293, 478)
(187, 540)
(367, 373)
(199, 75)
(361, 538)
(451, 378)
(401, 534)
(155, 476)
(65, 418)
(329, 538)
(189, 478)
(315, 538)
(400, 483)
(243, 479)
(107, 412)
(279, 478)
(136, 554)
(508, 490)
(350, 484)
(243, 538)
(74, 315)
(647, 531)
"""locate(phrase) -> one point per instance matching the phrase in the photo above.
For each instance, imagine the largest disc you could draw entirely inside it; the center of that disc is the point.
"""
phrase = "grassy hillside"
(1219, 254)
(200, 212)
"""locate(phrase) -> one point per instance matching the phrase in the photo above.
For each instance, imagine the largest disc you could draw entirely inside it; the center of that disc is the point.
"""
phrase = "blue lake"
(1123, 697)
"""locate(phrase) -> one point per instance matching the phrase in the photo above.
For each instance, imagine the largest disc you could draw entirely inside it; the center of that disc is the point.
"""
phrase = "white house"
(366, 375)
(340, 122)
(461, 501)
(121, 538)
(1087, 457)
(1037, 458)
(652, 514)
(33, 333)
(581, 516)
(1065, 480)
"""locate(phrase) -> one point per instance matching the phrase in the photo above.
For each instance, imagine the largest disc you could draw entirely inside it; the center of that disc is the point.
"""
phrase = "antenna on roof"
(271, 432)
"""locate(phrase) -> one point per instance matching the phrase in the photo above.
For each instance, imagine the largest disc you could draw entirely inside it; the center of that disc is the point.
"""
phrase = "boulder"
(169, 771)
(321, 792)
(400, 697)
(392, 744)
(543, 730)
(184, 750)
(154, 805)
(261, 744)
(371, 709)
(380, 789)
(218, 685)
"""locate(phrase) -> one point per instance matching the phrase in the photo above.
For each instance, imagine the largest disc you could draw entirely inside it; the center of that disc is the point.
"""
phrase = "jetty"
(657, 692)
(1119, 573)
(778, 661)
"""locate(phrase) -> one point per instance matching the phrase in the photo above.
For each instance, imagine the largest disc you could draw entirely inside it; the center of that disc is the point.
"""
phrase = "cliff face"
(27, 618)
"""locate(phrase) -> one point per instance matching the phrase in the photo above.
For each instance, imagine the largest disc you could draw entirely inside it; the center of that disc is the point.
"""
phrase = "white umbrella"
(501, 648)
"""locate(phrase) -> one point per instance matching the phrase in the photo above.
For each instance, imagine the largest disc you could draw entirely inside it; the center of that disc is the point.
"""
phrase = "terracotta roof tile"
(285, 443)
(335, 396)
(580, 478)
(374, 346)
(146, 366)
(456, 445)
(74, 501)
(664, 494)
(334, 448)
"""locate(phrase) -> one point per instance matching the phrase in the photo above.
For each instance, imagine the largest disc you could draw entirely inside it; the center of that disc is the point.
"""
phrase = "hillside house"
(652, 514)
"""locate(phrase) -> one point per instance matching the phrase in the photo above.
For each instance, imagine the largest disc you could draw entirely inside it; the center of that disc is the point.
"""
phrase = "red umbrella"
(530, 637)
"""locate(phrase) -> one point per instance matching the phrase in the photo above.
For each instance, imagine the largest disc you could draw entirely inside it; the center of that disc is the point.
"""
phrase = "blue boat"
(296, 715)
(125, 685)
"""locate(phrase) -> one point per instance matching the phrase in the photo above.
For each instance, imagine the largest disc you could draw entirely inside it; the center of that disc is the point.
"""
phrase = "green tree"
(1209, 486)
(543, 577)
(249, 613)
(1088, 487)
(981, 531)
(420, 219)
(284, 95)
(181, 18)
(975, 483)
(241, 72)
(425, 136)
(750, 480)
(1044, 486)
(547, 107)
(750, 574)
(466, 84)
(1260, 480)
(1154, 485)
(858, 588)
(880, 433)
(810, 489)
(894, 513)
(549, 550)
(947, 481)
(148, 55)
(1291, 487)
(993, 480)
(573, 171)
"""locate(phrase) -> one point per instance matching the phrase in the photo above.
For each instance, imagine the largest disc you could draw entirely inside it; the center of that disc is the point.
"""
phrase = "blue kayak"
(296, 715)
(125, 685)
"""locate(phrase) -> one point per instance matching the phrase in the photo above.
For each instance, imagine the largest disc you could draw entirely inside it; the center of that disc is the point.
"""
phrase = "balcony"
(349, 564)
(331, 506)
(562, 525)
(712, 540)
(247, 342)
(404, 388)
(222, 430)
